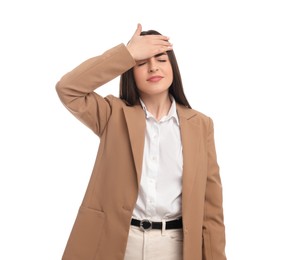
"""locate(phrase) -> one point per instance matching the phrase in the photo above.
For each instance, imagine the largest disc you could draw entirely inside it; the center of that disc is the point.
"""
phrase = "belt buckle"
(146, 225)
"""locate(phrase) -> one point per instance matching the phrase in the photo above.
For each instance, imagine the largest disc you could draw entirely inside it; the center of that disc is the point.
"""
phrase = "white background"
(239, 63)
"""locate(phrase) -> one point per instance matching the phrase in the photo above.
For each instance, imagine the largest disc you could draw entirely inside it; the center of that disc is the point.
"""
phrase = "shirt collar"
(171, 114)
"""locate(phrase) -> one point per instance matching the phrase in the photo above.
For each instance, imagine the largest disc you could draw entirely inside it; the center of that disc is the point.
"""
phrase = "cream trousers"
(154, 244)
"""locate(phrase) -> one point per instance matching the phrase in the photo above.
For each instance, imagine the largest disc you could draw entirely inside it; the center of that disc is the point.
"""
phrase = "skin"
(153, 71)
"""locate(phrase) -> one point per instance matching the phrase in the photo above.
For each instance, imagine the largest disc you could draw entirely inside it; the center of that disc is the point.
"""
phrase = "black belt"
(147, 225)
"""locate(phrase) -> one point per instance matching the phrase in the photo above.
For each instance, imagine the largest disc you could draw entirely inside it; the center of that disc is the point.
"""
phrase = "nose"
(153, 67)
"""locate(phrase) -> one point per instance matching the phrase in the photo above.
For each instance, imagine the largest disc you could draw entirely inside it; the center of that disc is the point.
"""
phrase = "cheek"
(170, 75)
(138, 76)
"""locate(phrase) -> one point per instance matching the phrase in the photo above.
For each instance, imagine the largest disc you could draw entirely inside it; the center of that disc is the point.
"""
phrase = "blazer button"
(185, 230)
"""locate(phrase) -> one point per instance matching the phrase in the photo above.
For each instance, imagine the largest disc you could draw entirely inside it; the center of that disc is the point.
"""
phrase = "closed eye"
(142, 63)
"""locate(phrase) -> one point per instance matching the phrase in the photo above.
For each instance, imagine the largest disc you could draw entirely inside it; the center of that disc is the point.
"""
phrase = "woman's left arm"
(213, 227)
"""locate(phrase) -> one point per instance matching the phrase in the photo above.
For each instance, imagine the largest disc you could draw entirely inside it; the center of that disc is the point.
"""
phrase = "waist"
(147, 225)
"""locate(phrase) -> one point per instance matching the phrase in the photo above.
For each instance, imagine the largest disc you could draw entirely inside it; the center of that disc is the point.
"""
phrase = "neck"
(157, 106)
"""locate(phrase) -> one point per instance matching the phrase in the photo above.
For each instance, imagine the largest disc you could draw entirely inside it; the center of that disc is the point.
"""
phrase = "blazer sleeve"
(76, 88)
(213, 226)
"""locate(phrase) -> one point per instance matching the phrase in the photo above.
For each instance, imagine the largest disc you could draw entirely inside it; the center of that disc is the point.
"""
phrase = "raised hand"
(147, 46)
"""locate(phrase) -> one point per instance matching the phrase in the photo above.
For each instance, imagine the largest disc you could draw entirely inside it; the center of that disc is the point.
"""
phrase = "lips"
(154, 78)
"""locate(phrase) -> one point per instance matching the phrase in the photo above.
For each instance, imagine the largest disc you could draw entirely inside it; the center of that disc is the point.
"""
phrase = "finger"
(163, 43)
(138, 30)
(165, 49)
(157, 38)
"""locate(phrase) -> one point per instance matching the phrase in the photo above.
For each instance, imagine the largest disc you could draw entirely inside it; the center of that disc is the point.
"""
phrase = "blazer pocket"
(85, 236)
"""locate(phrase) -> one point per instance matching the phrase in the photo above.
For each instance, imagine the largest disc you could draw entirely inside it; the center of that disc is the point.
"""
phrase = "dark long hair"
(128, 88)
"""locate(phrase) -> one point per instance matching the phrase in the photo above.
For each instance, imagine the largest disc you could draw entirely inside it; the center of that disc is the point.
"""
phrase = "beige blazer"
(101, 228)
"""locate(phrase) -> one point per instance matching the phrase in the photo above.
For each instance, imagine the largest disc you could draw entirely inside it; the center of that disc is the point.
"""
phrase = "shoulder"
(114, 101)
(118, 103)
(201, 115)
(193, 115)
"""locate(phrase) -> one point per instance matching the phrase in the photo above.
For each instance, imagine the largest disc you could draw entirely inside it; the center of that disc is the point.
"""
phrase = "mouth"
(154, 78)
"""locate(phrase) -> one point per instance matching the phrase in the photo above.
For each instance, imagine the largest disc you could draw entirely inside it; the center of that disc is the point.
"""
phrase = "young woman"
(155, 190)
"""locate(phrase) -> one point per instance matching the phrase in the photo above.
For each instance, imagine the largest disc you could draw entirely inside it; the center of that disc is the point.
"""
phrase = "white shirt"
(161, 182)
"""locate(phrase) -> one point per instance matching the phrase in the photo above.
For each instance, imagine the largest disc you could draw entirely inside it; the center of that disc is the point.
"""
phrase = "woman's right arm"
(76, 88)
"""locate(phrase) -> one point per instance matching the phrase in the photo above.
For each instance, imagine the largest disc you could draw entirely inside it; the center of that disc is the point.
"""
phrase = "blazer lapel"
(190, 144)
(136, 125)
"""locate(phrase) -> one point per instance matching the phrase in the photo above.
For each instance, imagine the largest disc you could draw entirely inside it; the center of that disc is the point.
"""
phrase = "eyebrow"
(160, 54)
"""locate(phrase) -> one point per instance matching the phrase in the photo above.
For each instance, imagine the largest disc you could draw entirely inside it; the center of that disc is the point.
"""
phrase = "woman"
(155, 190)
